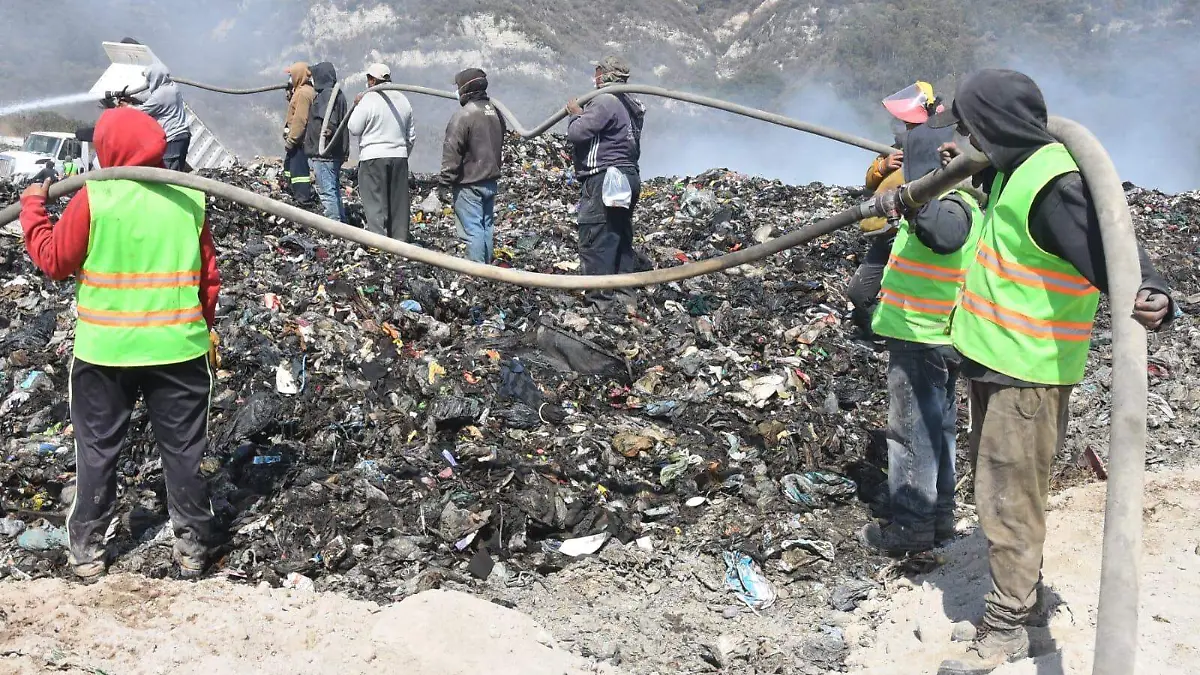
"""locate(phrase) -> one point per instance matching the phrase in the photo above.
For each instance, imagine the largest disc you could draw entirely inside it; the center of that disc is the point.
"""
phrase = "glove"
(888, 205)
(214, 358)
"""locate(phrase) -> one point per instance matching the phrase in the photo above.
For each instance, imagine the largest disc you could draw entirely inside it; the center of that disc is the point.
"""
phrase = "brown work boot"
(190, 558)
(992, 649)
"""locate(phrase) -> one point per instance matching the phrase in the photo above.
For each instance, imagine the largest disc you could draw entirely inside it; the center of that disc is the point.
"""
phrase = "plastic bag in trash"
(617, 193)
(814, 489)
(743, 577)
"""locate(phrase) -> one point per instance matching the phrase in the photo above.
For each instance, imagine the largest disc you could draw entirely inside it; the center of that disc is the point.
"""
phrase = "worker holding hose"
(908, 107)
(383, 123)
(146, 284)
(327, 166)
(1023, 324)
(300, 96)
(932, 249)
(163, 101)
(606, 140)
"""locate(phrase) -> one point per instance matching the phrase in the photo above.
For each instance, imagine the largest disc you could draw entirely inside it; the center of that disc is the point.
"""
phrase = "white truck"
(63, 149)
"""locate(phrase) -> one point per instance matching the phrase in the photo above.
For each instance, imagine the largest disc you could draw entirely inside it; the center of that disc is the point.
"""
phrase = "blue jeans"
(328, 176)
(922, 416)
(474, 207)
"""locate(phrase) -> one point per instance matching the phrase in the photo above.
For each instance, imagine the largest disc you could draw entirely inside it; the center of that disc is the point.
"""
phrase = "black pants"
(295, 170)
(863, 290)
(606, 234)
(102, 400)
(383, 186)
(175, 158)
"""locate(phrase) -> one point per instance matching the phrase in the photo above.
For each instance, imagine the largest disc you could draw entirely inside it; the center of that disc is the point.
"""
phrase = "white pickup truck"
(18, 166)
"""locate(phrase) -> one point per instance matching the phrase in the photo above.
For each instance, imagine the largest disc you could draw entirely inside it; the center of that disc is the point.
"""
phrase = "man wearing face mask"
(607, 133)
(471, 163)
(1023, 324)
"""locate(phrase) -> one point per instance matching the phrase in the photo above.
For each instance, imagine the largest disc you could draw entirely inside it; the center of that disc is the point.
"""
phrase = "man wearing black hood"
(1023, 324)
(925, 267)
(327, 166)
(471, 162)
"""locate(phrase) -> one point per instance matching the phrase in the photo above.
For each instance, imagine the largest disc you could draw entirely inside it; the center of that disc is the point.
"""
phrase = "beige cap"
(379, 71)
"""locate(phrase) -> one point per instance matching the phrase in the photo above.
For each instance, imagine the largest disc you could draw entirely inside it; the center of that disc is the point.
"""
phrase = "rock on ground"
(1170, 592)
(129, 624)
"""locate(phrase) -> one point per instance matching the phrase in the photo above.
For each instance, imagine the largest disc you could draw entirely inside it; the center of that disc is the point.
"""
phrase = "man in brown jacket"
(295, 163)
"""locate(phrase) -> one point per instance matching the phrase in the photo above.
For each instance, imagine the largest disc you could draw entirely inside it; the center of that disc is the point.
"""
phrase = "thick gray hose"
(925, 188)
(1120, 574)
(515, 125)
(227, 90)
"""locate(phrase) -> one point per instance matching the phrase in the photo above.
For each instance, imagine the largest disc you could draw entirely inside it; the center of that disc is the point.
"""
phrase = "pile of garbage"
(379, 427)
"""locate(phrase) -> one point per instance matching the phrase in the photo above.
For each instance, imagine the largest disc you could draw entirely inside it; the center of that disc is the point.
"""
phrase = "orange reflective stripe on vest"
(1068, 331)
(129, 280)
(908, 302)
(1035, 277)
(932, 272)
(173, 317)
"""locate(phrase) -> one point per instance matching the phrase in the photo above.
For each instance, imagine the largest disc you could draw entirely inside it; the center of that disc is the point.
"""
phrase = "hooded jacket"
(474, 144)
(1005, 113)
(324, 77)
(299, 102)
(124, 137)
(164, 102)
(608, 133)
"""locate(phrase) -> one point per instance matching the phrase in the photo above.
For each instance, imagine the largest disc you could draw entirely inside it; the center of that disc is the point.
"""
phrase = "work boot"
(944, 531)
(893, 539)
(88, 571)
(992, 649)
(190, 559)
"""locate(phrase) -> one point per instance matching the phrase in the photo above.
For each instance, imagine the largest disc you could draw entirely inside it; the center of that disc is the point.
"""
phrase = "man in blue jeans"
(929, 258)
(471, 160)
(327, 165)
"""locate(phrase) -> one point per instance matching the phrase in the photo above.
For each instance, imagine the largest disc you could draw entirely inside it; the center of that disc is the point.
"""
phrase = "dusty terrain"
(129, 624)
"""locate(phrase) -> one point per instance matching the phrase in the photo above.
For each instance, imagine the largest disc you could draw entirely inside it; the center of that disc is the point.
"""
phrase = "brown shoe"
(989, 651)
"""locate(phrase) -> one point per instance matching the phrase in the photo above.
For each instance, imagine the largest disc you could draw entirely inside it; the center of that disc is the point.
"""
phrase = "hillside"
(1104, 61)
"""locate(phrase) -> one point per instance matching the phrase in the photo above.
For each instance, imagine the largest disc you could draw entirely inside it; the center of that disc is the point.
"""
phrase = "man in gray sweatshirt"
(383, 123)
(163, 101)
(471, 161)
(607, 133)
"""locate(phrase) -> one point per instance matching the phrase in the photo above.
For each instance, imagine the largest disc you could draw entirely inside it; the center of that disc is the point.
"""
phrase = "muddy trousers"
(102, 400)
(1015, 434)
(922, 416)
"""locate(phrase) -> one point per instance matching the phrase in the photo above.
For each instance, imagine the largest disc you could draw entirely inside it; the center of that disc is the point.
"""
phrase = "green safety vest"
(68, 168)
(1024, 312)
(139, 290)
(920, 287)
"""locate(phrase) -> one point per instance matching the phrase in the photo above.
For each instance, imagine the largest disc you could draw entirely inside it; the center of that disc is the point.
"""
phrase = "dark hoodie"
(608, 133)
(1005, 113)
(324, 77)
(124, 137)
(472, 150)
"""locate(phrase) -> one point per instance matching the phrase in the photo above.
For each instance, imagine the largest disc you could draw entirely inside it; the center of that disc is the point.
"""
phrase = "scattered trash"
(583, 545)
(42, 537)
(744, 578)
(818, 489)
(299, 582)
(11, 527)
(846, 596)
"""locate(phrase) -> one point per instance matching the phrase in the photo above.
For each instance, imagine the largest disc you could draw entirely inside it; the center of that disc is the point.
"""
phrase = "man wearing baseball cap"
(383, 123)
(606, 136)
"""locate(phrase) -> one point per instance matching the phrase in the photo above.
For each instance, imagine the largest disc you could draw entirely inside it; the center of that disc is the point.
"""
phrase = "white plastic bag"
(617, 193)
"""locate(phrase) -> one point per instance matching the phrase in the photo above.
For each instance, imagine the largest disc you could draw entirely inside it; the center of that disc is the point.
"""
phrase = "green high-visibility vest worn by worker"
(1024, 312)
(920, 287)
(138, 291)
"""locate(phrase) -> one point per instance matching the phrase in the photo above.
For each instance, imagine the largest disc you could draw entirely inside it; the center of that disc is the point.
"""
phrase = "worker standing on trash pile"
(164, 102)
(929, 259)
(606, 139)
(147, 285)
(383, 123)
(471, 164)
(327, 166)
(908, 107)
(1023, 325)
(300, 96)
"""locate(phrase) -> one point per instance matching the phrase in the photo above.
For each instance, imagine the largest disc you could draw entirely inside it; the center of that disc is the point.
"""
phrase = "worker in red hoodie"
(146, 280)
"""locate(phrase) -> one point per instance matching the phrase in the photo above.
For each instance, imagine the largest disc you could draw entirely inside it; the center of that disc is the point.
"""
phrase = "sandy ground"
(130, 624)
(127, 624)
(914, 634)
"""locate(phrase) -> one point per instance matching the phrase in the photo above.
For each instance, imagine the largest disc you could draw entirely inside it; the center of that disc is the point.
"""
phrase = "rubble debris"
(378, 426)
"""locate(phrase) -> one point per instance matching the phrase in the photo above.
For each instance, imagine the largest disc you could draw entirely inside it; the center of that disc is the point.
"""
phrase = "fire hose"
(1116, 626)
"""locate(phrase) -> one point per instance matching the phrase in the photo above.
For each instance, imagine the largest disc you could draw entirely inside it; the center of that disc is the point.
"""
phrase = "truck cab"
(63, 149)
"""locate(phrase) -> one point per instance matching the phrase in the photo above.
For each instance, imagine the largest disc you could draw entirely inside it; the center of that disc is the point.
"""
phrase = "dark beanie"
(471, 80)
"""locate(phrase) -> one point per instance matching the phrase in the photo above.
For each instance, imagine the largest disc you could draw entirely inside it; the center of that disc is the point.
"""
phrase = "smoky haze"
(1138, 101)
